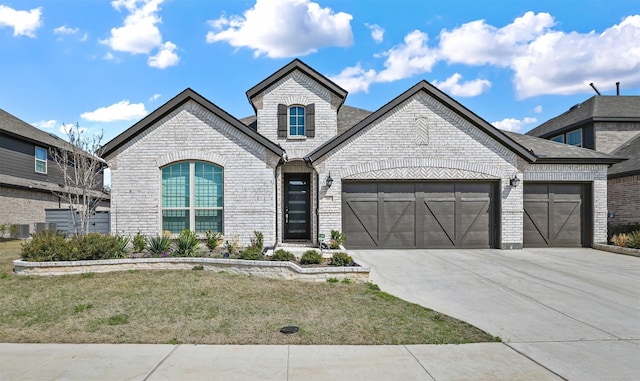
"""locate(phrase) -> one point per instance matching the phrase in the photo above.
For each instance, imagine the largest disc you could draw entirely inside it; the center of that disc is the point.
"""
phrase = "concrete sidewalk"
(482, 361)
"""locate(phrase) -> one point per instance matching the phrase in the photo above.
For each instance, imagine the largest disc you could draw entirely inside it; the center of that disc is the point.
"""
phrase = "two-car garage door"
(433, 214)
(420, 214)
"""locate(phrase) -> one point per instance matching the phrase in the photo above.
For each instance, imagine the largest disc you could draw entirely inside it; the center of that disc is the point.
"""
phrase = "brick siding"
(624, 199)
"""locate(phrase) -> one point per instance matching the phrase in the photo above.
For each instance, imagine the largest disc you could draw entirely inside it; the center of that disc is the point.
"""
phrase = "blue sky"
(107, 64)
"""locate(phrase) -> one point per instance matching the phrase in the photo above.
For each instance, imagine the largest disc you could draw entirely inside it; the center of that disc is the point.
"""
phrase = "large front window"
(192, 197)
(296, 121)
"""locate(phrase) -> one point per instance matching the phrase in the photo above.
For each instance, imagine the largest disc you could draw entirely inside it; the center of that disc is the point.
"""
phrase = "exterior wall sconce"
(514, 181)
(329, 180)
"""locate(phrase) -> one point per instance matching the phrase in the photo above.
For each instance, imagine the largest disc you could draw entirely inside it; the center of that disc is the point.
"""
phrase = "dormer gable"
(297, 108)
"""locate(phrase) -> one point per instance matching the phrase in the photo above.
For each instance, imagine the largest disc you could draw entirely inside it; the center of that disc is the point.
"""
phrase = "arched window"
(296, 121)
(192, 197)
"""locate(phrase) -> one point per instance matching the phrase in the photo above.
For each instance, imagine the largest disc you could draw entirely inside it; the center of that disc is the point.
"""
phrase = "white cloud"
(45, 124)
(466, 89)
(565, 63)
(537, 109)
(543, 60)
(154, 97)
(65, 30)
(165, 56)
(84, 37)
(377, 32)
(139, 34)
(24, 23)
(515, 125)
(283, 28)
(403, 61)
(109, 56)
(122, 110)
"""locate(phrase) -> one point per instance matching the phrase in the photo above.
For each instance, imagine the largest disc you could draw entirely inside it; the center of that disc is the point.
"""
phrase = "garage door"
(419, 214)
(556, 215)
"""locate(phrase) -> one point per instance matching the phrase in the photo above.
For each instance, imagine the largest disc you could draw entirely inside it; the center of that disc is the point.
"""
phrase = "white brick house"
(422, 171)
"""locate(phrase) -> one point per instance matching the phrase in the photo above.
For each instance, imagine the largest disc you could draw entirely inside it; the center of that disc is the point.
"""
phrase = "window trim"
(304, 125)
(35, 155)
(191, 209)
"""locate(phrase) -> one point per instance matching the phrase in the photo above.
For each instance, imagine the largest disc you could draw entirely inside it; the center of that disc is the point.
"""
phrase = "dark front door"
(297, 197)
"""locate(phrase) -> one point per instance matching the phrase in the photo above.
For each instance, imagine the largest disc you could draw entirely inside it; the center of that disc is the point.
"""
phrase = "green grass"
(202, 307)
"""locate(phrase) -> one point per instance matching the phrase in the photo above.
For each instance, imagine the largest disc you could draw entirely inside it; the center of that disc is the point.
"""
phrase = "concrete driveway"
(574, 311)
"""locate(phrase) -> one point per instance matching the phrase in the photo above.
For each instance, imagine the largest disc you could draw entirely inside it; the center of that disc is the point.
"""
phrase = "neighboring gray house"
(28, 174)
(421, 172)
(609, 124)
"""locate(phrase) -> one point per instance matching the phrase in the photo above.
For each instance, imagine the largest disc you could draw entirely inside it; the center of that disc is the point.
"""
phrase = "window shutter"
(310, 120)
(282, 121)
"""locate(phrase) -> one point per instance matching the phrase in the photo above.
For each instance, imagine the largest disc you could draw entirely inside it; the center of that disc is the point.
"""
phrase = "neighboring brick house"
(609, 124)
(28, 175)
(421, 172)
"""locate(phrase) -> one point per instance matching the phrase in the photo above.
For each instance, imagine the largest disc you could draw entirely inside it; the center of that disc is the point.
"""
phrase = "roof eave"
(296, 64)
(188, 94)
(440, 97)
(578, 160)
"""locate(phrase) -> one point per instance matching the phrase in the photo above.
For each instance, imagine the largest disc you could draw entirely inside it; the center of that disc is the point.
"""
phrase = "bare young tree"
(80, 166)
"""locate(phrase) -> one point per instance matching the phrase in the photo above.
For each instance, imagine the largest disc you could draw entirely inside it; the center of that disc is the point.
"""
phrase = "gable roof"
(594, 109)
(21, 129)
(630, 167)
(296, 64)
(174, 103)
(429, 89)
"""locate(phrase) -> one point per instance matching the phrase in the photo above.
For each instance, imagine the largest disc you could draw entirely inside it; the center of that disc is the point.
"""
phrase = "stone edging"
(267, 269)
(617, 249)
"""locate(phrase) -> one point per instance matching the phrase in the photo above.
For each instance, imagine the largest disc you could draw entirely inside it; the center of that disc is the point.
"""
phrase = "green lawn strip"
(203, 307)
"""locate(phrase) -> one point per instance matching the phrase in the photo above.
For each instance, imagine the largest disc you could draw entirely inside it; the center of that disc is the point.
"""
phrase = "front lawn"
(190, 306)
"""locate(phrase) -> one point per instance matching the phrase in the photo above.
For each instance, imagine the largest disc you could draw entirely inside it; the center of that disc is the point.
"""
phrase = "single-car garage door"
(419, 214)
(556, 215)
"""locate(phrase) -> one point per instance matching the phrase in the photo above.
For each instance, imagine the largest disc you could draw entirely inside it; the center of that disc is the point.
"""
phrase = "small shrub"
(187, 244)
(373, 286)
(633, 239)
(214, 239)
(159, 245)
(3, 229)
(619, 240)
(258, 240)
(122, 244)
(347, 281)
(139, 243)
(252, 253)
(332, 280)
(311, 257)
(337, 239)
(283, 255)
(46, 246)
(340, 259)
(93, 246)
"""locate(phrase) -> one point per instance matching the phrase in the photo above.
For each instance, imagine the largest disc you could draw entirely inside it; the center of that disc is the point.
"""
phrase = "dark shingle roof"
(550, 151)
(22, 129)
(596, 108)
(631, 151)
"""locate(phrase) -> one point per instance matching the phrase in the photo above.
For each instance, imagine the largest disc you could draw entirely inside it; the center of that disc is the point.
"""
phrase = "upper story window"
(41, 160)
(574, 138)
(192, 197)
(296, 121)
